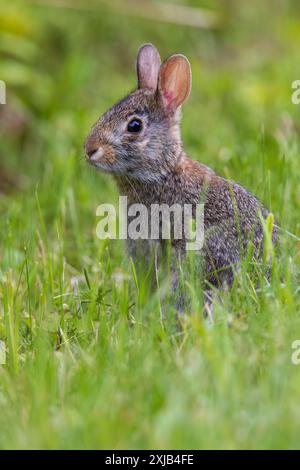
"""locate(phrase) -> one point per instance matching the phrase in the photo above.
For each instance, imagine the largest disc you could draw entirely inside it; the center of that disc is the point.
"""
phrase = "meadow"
(90, 362)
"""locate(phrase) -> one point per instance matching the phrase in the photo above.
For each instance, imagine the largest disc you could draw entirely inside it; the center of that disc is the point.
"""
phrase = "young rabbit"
(138, 140)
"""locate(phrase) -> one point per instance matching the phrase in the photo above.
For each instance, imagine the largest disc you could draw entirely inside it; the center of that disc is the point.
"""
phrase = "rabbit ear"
(175, 79)
(148, 64)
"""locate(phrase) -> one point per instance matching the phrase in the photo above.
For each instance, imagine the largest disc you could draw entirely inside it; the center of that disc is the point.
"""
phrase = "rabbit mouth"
(101, 166)
(104, 163)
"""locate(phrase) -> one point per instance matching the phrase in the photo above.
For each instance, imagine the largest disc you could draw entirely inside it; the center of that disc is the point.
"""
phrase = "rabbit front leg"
(146, 256)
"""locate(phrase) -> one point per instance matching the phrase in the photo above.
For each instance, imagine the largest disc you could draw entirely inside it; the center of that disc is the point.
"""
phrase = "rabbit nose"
(90, 151)
(95, 154)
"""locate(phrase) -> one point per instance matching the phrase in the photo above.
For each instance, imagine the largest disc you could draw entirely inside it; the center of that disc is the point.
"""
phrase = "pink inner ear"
(175, 81)
(168, 97)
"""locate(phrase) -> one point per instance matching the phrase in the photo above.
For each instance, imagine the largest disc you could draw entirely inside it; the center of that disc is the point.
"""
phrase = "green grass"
(90, 363)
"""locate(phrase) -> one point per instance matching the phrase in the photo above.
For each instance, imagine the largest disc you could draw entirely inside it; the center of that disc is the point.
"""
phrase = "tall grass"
(91, 361)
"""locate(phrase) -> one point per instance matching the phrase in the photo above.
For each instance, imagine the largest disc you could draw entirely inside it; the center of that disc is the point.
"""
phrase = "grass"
(90, 363)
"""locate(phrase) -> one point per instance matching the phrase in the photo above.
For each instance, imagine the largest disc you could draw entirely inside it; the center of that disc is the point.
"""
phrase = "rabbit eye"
(135, 125)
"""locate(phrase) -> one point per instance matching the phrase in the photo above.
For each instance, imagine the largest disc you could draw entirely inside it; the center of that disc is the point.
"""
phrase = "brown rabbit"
(139, 141)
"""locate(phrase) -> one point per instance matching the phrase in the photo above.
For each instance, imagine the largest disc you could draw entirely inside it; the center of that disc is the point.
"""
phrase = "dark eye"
(135, 125)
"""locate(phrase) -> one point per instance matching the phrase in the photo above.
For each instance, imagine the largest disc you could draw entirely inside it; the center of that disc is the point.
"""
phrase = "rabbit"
(138, 141)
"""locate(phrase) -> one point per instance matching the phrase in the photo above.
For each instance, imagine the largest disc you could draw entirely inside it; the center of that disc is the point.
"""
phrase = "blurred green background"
(64, 62)
(89, 364)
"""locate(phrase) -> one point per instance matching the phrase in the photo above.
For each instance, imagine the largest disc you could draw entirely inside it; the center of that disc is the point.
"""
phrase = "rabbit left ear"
(175, 79)
(148, 64)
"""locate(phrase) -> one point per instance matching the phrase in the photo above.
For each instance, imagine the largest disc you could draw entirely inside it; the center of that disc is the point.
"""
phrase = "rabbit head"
(140, 135)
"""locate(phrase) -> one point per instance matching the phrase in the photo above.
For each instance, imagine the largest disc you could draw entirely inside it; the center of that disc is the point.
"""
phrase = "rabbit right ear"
(175, 80)
(148, 65)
